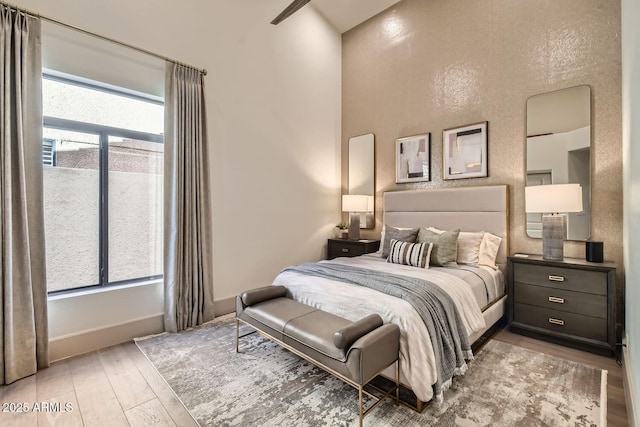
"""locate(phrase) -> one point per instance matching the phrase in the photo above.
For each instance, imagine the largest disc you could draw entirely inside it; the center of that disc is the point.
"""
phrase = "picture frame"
(413, 158)
(464, 151)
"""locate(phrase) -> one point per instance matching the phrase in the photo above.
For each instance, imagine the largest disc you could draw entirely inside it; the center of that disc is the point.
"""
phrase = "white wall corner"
(630, 392)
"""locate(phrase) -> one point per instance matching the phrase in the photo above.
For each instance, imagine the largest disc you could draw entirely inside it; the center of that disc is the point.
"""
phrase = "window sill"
(100, 290)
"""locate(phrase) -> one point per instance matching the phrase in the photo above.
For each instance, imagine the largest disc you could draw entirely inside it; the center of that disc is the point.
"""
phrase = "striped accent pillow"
(413, 254)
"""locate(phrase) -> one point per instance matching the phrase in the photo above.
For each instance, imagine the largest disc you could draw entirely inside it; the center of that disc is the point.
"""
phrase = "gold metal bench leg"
(360, 404)
(398, 381)
(237, 335)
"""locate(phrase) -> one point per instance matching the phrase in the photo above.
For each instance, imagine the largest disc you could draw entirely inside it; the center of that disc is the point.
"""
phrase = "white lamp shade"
(553, 198)
(355, 203)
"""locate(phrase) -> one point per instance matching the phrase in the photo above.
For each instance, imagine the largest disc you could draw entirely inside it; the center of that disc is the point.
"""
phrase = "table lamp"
(553, 200)
(354, 204)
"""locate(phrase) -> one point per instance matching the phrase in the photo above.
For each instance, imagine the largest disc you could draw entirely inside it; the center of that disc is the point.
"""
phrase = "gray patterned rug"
(266, 385)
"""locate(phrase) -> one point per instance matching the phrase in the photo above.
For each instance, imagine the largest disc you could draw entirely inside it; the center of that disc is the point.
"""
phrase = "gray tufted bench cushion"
(353, 351)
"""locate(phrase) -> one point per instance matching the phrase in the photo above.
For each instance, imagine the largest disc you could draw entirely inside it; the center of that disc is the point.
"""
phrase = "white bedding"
(417, 360)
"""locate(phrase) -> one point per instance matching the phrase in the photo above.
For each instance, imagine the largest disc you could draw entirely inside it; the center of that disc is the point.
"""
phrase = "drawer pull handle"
(556, 321)
(556, 278)
(556, 300)
(345, 250)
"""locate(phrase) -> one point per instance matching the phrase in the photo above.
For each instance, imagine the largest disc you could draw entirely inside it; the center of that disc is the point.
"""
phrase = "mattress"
(471, 289)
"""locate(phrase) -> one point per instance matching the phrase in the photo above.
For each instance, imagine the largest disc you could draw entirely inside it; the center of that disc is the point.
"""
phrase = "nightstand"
(350, 248)
(570, 302)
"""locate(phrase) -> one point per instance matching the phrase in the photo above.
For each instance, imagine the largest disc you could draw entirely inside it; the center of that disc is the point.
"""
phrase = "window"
(49, 152)
(103, 183)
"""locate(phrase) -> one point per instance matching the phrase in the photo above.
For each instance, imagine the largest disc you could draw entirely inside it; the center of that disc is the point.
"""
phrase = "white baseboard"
(95, 339)
(224, 306)
(631, 394)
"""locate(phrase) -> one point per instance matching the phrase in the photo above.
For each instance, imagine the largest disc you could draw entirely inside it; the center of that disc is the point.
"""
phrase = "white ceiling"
(346, 14)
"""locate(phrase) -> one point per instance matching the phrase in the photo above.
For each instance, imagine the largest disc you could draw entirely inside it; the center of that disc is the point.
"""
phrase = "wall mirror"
(362, 173)
(559, 151)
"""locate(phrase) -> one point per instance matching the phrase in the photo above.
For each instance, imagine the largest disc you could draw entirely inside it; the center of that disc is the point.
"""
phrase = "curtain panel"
(188, 275)
(23, 297)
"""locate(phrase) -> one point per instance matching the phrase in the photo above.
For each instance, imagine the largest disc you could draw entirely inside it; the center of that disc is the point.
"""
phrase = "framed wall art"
(464, 151)
(413, 154)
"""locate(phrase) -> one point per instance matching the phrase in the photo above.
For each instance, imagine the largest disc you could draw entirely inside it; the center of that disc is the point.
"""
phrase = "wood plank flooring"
(113, 387)
(117, 386)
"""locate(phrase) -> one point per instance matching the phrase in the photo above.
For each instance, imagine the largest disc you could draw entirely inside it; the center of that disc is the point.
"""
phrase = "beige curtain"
(23, 299)
(188, 284)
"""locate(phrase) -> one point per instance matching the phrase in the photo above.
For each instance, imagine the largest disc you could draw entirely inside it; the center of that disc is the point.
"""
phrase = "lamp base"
(354, 226)
(554, 231)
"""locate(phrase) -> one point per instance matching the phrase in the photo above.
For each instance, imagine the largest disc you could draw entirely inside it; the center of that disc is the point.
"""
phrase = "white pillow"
(413, 254)
(468, 246)
(489, 250)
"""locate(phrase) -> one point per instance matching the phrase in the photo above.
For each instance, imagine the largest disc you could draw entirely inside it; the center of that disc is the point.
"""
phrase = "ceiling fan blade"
(289, 10)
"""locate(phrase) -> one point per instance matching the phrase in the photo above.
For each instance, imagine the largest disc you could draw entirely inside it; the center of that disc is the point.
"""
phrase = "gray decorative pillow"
(403, 235)
(445, 246)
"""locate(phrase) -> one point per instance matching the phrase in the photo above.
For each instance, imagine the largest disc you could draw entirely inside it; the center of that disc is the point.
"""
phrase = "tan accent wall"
(424, 66)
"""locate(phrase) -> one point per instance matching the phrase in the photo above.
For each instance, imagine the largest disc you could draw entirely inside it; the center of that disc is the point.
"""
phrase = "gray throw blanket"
(435, 307)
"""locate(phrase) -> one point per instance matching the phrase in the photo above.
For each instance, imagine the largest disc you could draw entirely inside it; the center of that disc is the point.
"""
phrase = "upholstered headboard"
(467, 208)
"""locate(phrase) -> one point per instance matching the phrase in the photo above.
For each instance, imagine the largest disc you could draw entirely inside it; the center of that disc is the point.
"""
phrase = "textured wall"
(424, 66)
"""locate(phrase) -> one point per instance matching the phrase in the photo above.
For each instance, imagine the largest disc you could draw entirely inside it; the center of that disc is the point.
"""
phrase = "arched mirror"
(362, 175)
(559, 151)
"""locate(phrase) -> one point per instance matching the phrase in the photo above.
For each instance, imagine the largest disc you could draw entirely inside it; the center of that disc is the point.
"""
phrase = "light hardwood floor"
(113, 387)
(118, 386)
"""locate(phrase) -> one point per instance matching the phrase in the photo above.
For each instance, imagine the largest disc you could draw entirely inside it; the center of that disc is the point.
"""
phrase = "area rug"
(265, 385)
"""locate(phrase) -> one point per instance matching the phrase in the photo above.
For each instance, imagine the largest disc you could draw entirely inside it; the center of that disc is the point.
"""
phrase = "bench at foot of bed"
(355, 352)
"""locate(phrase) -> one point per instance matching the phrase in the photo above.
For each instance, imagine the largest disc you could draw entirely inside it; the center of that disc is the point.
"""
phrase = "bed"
(477, 292)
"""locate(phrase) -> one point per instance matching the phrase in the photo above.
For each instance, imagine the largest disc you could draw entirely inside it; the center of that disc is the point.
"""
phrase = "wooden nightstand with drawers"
(350, 248)
(569, 302)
